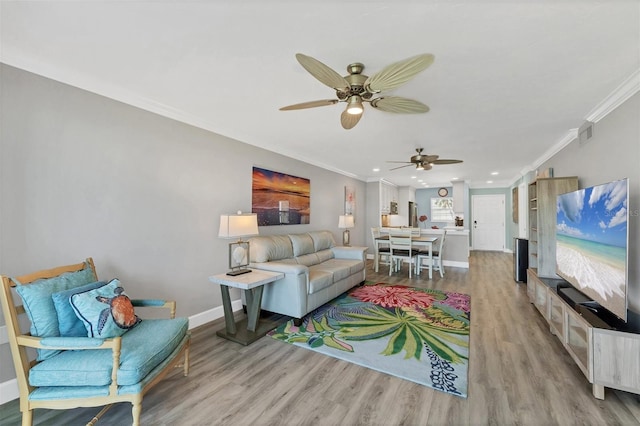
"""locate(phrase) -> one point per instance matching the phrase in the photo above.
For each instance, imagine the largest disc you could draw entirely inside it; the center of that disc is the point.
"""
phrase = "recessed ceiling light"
(454, 178)
(420, 180)
(494, 173)
(413, 177)
(489, 181)
(376, 169)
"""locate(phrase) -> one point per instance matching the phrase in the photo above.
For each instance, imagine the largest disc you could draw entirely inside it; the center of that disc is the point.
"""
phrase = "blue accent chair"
(72, 370)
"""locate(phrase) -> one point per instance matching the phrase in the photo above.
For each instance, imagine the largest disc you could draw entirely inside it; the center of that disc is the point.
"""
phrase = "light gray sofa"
(316, 271)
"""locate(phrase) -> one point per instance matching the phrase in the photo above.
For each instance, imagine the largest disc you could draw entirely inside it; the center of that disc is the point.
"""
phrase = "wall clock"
(443, 192)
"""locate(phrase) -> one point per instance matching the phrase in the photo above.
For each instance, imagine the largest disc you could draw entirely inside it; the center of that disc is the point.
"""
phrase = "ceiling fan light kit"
(356, 88)
(354, 106)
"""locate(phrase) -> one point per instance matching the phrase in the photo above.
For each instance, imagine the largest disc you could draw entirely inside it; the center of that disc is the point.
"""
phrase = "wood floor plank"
(518, 374)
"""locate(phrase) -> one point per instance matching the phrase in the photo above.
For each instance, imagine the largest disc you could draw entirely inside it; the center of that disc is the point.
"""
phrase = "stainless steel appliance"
(413, 214)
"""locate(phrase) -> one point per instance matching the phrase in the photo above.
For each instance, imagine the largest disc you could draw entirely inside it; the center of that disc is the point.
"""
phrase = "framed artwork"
(280, 199)
(514, 204)
(349, 200)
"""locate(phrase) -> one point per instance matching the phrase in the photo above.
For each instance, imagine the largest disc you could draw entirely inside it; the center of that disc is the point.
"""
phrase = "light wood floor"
(518, 374)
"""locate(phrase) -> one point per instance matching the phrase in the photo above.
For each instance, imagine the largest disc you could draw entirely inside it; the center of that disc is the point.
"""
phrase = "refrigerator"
(413, 215)
(520, 259)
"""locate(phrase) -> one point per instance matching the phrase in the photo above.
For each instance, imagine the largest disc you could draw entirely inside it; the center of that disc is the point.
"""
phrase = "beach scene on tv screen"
(591, 243)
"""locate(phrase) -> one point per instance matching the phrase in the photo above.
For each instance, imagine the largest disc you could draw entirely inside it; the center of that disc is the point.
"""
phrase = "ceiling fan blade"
(323, 73)
(398, 73)
(403, 162)
(396, 168)
(311, 104)
(399, 105)
(349, 121)
(430, 158)
(446, 162)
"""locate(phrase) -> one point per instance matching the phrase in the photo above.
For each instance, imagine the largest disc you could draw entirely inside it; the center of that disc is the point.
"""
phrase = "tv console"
(604, 348)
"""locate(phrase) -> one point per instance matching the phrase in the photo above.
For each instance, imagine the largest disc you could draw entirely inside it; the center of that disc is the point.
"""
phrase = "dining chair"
(384, 251)
(401, 250)
(436, 256)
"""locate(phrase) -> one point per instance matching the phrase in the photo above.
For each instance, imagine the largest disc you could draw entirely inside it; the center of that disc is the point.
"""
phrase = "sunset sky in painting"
(270, 187)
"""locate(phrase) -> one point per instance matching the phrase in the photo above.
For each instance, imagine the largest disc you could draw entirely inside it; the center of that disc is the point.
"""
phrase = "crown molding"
(620, 94)
(617, 97)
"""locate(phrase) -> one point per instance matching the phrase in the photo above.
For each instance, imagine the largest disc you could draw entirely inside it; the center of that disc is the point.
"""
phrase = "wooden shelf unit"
(542, 195)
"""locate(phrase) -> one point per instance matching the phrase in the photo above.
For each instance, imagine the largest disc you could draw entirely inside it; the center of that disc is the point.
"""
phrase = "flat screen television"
(591, 243)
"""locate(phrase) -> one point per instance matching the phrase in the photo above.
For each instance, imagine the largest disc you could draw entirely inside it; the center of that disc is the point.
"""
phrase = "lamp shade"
(346, 221)
(238, 225)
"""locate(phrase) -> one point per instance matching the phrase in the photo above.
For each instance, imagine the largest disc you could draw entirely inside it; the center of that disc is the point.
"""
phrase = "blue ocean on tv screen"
(616, 256)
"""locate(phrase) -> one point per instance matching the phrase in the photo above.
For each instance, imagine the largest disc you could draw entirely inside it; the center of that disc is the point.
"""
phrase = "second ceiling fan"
(423, 162)
(356, 88)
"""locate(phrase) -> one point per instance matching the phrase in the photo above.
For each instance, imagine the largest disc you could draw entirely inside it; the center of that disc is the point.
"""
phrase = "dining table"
(418, 241)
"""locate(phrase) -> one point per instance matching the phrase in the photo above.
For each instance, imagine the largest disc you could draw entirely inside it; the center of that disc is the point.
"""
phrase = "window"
(442, 209)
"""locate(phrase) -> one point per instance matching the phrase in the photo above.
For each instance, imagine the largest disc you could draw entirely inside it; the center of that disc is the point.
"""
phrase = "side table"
(249, 329)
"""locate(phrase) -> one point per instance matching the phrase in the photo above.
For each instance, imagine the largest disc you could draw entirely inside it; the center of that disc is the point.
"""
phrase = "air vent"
(585, 132)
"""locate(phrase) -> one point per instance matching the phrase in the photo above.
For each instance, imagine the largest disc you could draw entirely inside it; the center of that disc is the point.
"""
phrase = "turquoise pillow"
(38, 304)
(105, 311)
(69, 325)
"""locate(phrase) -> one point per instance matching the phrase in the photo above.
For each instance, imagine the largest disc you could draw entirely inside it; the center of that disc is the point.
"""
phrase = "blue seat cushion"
(143, 348)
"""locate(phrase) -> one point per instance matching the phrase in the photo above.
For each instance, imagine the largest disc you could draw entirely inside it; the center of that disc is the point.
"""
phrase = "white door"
(488, 222)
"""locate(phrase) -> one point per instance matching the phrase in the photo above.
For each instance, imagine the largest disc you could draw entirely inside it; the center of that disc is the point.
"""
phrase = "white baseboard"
(9, 389)
(456, 264)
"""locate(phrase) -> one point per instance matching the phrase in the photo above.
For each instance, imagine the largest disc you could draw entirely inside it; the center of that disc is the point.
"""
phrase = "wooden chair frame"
(19, 341)
(436, 257)
(401, 249)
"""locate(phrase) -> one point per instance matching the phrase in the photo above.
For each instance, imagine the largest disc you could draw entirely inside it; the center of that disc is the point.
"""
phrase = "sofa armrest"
(355, 253)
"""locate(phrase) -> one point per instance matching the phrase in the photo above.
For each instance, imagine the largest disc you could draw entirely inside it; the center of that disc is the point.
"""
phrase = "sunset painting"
(280, 199)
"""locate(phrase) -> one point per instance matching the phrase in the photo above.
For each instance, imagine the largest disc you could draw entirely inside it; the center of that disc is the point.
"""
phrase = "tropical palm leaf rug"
(417, 334)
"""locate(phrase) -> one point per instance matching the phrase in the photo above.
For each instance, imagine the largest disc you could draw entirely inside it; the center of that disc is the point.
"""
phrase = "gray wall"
(83, 175)
(612, 153)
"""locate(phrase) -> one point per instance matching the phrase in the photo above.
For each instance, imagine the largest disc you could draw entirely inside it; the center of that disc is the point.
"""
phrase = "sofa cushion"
(274, 247)
(338, 268)
(324, 255)
(143, 348)
(105, 311)
(322, 240)
(302, 244)
(38, 304)
(319, 280)
(308, 259)
(69, 325)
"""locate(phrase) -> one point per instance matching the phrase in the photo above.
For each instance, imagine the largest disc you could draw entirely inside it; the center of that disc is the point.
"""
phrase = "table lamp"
(345, 222)
(238, 226)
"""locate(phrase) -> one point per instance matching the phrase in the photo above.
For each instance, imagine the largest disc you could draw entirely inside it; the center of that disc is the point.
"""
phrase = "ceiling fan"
(356, 88)
(423, 162)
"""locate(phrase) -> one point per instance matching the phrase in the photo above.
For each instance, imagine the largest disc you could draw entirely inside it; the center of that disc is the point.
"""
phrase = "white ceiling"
(510, 81)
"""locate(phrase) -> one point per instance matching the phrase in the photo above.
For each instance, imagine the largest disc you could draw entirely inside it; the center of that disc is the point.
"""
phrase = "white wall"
(82, 175)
